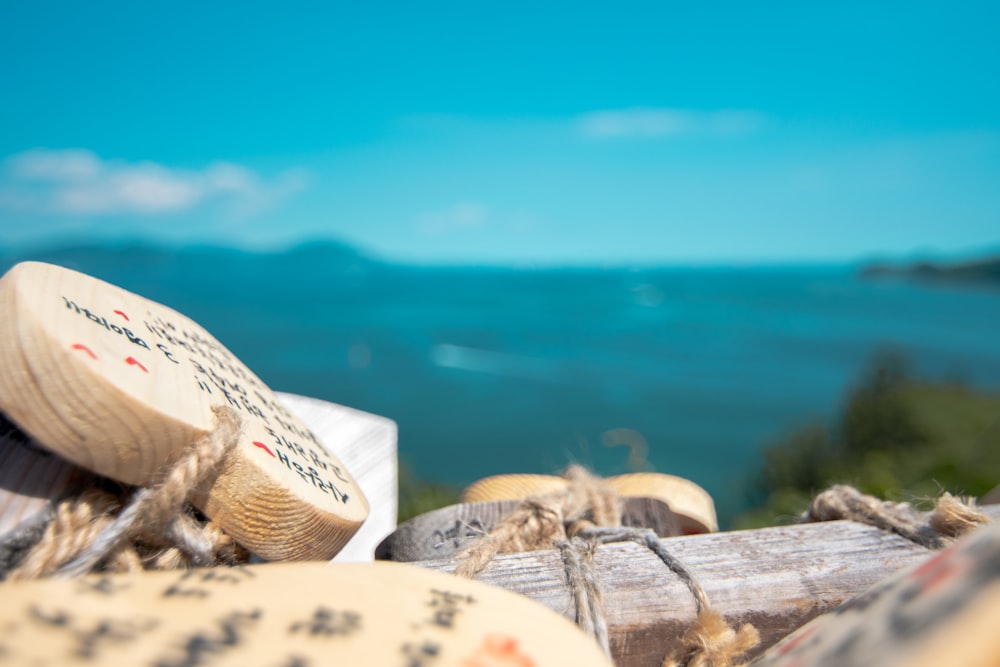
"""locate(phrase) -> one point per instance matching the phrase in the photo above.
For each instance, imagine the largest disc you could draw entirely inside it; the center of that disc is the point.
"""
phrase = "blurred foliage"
(417, 496)
(898, 439)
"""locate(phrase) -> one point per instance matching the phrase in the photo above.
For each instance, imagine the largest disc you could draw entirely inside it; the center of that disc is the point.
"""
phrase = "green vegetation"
(897, 438)
(417, 496)
(985, 271)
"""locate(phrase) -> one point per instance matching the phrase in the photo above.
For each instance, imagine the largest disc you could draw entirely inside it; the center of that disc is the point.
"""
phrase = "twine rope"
(155, 527)
(575, 521)
(950, 519)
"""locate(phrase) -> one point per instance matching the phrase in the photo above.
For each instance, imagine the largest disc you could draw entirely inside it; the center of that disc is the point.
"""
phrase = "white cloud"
(645, 122)
(77, 182)
(463, 215)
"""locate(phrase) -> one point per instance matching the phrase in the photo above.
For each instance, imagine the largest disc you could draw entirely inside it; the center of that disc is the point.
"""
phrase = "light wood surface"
(777, 578)
(284, 615)
(511, 487)
(691, 502)
(121, 385)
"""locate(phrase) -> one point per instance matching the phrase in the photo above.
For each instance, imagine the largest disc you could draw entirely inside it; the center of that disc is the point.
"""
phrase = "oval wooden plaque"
(689, 501)
(121, 385)
(285, 615)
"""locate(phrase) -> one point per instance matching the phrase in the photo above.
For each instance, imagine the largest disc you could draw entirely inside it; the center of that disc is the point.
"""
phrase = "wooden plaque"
(944, 611)
(284, 615)
(689, 501)
(444, 532)
(122, 385)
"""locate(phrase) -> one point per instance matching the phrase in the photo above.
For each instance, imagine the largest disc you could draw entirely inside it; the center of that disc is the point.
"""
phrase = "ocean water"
(690, 371)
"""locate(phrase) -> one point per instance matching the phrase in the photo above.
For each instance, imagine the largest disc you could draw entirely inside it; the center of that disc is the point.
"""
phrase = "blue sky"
(507, 133)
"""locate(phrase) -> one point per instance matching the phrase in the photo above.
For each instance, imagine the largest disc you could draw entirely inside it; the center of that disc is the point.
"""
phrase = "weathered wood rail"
(776, 578)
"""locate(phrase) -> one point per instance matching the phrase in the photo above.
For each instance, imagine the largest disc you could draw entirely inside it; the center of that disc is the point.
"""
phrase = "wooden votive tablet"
(122, 386)
(692, 504)
(285, 615)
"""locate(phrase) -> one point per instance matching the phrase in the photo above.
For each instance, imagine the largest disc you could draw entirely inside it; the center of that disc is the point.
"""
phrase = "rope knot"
(153, 530)
(575, 521)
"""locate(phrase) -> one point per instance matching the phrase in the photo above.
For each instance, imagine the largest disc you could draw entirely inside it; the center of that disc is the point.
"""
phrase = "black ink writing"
(105, 631)
(102, 585)
(192, 582)
(458, 533)
(446, 607)
(327, 623)
(310, 474)
(198, 648)
(103, 322)
(421, 655)
(166, 352)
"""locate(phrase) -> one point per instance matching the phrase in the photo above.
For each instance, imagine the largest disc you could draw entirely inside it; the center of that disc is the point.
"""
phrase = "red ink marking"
(796, 640)
(80, 346)
(118, 312)
(132, 361)
(940, 569)
(498, 651)
(264, 447)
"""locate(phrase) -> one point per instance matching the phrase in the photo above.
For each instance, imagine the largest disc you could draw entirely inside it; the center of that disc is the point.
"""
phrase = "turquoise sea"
(689, 371)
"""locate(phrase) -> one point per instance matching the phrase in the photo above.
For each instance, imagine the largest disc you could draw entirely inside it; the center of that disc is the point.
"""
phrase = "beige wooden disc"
(691, 502)
(511, 487)
(285, 615)
(121, 385)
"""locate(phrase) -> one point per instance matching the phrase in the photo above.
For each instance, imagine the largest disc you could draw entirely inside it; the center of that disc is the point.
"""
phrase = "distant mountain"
(200, 279)
(984, 271)
(97, 258)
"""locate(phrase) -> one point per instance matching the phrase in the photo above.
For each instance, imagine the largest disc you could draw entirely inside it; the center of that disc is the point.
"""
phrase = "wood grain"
(121, 385)
(282, 615)
(776, 578)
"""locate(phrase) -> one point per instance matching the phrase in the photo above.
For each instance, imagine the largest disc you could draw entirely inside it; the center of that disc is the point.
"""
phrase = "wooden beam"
(776, 578)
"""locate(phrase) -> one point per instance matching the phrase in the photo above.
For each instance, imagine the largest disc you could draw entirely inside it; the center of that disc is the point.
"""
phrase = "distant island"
(983, 271)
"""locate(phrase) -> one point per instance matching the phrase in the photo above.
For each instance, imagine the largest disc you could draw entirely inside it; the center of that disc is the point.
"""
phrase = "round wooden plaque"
(285, 615)
(121, 385)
